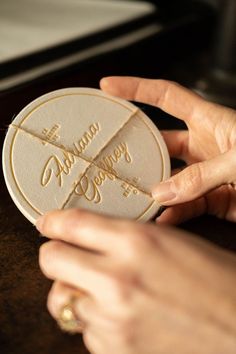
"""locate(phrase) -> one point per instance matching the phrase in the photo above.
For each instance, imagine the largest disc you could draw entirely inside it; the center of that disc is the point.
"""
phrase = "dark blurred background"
(192, 42)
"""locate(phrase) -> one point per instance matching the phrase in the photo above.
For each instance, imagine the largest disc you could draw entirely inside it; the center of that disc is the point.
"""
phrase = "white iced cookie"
(79, 147)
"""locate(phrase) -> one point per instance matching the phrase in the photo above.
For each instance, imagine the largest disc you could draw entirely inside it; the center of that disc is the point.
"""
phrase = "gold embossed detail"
(132, 114)
(51, 134)
(58, 168)
(89, 187)
(20, 128)
(82, 157)
(80, 146)
(107, 162)
(129, 188)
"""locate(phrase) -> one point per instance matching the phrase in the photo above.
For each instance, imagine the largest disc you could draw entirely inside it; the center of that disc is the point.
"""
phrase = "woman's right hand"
(208, 183)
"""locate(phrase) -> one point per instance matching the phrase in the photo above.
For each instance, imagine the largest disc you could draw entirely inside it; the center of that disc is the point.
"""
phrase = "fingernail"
(163, 192)
(104, 82)
(39, 223)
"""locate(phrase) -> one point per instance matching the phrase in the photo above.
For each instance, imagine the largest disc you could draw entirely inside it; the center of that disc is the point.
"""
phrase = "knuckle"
(126, 321)
(138, 90)
(193, 178)
(167, 87)
(121, 295)
(115, 286)
(117, 289)
(136, 242)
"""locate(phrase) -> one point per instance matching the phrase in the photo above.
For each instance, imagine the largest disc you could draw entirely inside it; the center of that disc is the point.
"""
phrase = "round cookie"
(82, 148)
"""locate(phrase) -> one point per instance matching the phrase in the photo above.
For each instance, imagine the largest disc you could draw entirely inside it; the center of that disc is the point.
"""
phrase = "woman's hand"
(208, 148)
(149, 289)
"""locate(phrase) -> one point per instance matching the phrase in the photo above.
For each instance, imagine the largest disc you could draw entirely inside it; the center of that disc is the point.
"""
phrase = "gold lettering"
(124, 150)
(47, 173)
(54, 166)
(117, 154)
(88, 189)
(69, 160)
(97, 181)
(81, 145)
(108, 162)
(94, 129)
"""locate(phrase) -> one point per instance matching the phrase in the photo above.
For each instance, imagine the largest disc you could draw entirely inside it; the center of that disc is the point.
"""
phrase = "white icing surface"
(79, 147)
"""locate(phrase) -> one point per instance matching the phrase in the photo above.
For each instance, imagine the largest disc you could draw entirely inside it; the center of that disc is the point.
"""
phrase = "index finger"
(88, 230)
(169, 96)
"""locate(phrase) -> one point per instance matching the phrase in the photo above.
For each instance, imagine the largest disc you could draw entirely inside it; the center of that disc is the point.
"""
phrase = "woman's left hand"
(148, 289)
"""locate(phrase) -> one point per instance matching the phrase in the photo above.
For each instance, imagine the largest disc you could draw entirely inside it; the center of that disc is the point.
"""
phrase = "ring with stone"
(68, 320)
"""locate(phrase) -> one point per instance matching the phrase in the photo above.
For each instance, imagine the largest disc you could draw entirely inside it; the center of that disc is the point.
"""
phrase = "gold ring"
(67, 320)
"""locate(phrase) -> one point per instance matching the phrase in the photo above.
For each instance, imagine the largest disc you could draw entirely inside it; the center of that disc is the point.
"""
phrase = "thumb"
(197, 179)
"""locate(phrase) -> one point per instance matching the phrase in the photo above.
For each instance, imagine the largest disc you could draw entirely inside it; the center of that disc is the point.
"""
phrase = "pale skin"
(151, 288)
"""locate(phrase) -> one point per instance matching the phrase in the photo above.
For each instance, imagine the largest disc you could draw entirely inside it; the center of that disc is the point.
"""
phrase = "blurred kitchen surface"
(191, 41)
(28, 26)
(39, 37)
(51, 44)
(79, 41)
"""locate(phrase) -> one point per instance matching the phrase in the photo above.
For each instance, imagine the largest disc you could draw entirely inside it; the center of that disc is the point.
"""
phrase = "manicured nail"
(163, 192)
(104, 82)
(39, 223)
